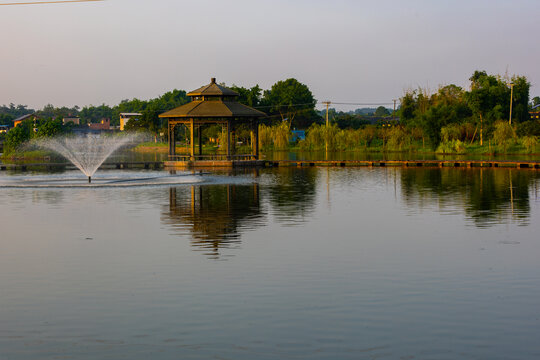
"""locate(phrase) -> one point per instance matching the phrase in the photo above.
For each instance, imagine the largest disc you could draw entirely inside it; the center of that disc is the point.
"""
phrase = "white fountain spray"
(87, 153)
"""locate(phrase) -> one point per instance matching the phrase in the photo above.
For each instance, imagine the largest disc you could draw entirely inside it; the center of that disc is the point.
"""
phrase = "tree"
(50, 128)
(6, 119)
(291, 99)
(486, 99)
(382, 111)
(520, 99)
(250, 97)
(92, 114)
(49, 111)
(150, 110)
(408, 107)
(18, 135)
(15, 111)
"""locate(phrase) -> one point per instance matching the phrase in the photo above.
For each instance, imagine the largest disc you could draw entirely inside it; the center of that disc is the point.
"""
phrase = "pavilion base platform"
(213, 164)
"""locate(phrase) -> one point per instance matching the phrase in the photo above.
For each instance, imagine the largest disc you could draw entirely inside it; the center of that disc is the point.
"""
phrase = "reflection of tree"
(489, 195)
(292, 193)
(214, 215)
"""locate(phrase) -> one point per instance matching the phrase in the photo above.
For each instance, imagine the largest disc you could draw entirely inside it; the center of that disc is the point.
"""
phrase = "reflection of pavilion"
(215, 216)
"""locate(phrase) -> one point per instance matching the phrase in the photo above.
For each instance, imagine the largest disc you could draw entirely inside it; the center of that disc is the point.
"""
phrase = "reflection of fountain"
(87, 153)
(214, 215)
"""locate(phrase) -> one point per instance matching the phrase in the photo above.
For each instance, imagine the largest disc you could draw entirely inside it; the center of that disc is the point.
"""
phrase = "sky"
(343, 50)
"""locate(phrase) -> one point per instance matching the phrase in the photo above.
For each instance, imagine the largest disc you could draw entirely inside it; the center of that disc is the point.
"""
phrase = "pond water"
(286, 263)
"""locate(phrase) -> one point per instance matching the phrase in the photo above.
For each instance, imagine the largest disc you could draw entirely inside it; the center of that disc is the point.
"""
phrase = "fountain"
(87, 153)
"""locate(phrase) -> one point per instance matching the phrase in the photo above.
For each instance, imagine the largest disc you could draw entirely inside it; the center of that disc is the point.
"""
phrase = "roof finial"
(213, 80)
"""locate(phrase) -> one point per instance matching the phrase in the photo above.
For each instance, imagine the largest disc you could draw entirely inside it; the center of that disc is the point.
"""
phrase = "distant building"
(104, 124)
(73, 120)
(126, 117)
(19, 120)
(298, 135)
(4, 129)
(535, 112)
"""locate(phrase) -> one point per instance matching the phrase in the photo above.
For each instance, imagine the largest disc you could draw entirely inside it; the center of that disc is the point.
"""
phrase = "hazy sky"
(344, 50)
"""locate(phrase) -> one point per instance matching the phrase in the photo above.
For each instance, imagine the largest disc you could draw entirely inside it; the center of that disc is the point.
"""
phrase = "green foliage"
(275, 137)
(503, 135)
(150, 111)
(349, 121)
(529, 143)
(291, 100)
(6, 119)
(318, 136)
(398, 139)
(15, 111)
(407, 112)
(454, 146)
(250, 97)
(451, 132)
(431, 113)
(487, 101)
(528, 128)
(382, 111)
(520, 99)
(50, 128)
(94, 114)
(315, 138)
(49, 111)
(18, 136)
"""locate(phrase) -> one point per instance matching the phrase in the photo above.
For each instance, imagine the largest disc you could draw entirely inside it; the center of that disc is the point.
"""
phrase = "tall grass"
(275, 137)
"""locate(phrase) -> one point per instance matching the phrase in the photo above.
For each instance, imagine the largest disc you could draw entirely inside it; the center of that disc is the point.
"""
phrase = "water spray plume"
(87, 153)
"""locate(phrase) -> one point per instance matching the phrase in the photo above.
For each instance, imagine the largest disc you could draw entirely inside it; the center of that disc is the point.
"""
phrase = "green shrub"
(529, 143)
(276, 137)
(16, 137)
(398, 139)
(503, 135)
(452, 147)
(528, 128)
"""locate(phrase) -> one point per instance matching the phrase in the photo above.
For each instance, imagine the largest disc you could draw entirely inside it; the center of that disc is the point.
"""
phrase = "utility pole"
(394, 114)
(327, 103)
(511, 97)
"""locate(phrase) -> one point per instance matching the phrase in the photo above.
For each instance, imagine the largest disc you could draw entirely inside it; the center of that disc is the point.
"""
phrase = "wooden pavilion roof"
(213, 109)
(217, 102)
(213, 89)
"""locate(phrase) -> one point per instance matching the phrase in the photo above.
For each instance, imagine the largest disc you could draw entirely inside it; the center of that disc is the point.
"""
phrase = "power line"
(363, 104)
(281, 105)
(48, 2)
(323, 102)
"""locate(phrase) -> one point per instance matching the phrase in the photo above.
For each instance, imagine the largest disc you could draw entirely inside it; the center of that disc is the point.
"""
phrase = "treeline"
(487, 102)
(451, 120)
(11, 112)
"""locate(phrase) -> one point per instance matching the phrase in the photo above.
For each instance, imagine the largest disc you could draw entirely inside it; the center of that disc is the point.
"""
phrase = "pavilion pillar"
(228, 139)
(233, 139)
(255, 139)
(192, 140)
(172, 140)
(200, 140)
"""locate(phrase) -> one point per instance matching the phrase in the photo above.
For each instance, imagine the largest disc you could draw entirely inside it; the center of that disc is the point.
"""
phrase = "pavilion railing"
(212, 157)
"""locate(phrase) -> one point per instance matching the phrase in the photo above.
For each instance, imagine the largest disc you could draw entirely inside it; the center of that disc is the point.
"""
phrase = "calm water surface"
(379, 263)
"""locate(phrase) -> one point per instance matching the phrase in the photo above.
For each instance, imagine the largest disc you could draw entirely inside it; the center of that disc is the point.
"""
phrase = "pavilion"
(213, 104)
